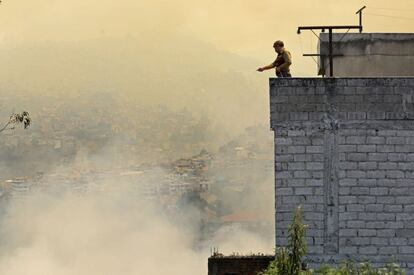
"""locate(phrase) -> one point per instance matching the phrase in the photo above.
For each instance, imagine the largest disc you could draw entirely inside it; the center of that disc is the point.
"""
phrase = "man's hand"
(268, 67)
(277, 70)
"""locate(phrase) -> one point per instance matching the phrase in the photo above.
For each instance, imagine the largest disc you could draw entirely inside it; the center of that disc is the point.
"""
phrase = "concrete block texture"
(349, 162)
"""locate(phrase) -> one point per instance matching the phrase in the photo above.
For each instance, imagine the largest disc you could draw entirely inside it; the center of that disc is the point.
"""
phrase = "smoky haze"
(184, 53)
(107, 225)
(130, 87)
(247, 28)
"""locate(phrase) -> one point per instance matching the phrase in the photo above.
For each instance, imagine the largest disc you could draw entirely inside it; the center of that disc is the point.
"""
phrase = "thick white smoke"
(106, 228)
(96, 233)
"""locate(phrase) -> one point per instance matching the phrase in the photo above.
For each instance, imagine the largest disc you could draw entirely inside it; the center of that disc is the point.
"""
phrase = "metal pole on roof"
(360, 17)
(330, 29)
(330, 42)
(330, 53)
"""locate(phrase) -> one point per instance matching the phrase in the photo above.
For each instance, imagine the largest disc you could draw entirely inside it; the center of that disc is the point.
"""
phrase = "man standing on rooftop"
(282, 62)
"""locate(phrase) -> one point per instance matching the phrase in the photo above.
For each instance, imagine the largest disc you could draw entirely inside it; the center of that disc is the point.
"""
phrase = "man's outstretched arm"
(268, 67)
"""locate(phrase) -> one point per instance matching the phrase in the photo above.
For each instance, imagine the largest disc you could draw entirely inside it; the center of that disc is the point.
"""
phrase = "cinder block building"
(344, 150)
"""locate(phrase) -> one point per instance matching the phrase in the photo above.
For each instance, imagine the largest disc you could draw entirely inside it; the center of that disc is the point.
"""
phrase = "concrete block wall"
(344, 150)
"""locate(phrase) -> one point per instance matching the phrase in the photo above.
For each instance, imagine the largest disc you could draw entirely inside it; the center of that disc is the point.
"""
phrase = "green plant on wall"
(289, 260)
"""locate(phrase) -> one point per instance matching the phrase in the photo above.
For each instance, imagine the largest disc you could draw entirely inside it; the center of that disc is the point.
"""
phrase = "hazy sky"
(234, 100)
(247, 27)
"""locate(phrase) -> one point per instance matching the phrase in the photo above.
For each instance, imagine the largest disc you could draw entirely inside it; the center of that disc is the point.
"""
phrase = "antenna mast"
(330, 43)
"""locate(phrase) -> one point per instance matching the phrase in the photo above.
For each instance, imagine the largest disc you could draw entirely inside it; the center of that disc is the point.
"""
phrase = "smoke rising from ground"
(106, 229)
(111, 228)
(93, 234)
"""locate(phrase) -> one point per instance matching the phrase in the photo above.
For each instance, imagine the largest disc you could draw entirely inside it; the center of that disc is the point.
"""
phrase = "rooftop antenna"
(330, 44)
(360, 17)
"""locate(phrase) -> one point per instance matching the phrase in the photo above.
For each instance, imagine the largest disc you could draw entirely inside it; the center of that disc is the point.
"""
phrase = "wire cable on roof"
(314, 60)
(391, 16)
(391, 9)
(344, 35)
(316, 36)
(311, 46)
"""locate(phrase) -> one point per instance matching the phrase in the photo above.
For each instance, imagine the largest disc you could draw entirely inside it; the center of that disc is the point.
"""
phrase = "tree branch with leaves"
(17, 119)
